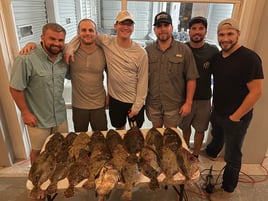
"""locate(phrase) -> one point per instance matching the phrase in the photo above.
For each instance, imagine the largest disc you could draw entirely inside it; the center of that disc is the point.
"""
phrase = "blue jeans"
(232, 134)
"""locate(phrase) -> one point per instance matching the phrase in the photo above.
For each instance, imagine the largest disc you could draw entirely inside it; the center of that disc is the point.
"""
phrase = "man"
(88, 93)
(36, 85)
(201, 107)
(238, 79)
(172, 76)
(127, 65)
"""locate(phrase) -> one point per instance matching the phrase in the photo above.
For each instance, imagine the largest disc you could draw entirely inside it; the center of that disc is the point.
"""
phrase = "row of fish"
(104, 162)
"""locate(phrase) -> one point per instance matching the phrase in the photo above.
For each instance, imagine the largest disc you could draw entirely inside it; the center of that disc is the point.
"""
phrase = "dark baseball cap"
(162, 17)
(198, 19)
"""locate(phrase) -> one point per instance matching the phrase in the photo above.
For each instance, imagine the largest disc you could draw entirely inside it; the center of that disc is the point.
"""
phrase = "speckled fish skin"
(150, 157)
(154, 139)
(149, 166)
(99, 156)
(63, 163)
(80, 142)
(106, 181)
(131, 175)
(133, 140)
(116, 147)
(187, 162)
(77, 173)
(40, 171)
(171, 139)
(54, 143)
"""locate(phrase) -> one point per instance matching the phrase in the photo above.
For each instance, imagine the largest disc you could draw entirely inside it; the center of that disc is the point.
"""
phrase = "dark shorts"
(199, 116)
(96, 118)
(118, 112)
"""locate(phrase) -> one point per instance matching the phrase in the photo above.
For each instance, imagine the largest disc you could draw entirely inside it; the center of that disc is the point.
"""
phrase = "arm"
(187, 106)
(27, 116)
(255, 91)
(142, 86)
(70, 48)
(27, 48)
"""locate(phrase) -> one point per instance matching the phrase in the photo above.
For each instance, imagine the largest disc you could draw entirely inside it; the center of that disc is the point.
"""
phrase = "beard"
(195, 39)
(52, 49)
(229, 45)
(163, 37)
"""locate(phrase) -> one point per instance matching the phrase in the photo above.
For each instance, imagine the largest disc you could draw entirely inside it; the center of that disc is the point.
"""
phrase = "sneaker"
(221, 195)
(205, 154)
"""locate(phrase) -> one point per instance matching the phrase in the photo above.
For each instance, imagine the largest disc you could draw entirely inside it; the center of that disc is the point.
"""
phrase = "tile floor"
(253, 184)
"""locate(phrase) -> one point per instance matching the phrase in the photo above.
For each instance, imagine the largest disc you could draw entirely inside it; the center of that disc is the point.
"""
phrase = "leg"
(33, 155)
(158, 124)
(37, 137)
(80, 119)
(155, 116)
(186, 135)
(217, 142)
(98, 119)
(140, 117)
(198, 141)
(118, 113)
(234, 137)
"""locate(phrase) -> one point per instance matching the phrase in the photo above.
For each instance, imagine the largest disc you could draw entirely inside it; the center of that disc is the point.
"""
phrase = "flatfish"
(133, 140)
(187, 163)
(99, 156)
(78, 172)
(63, 163)
(131, 175)
(171, 139)
(106, 181)
(80, 142)
(169, 165)
(154, 139)
(40, 171)
(54, 143)
(149, 159)
(116, 146)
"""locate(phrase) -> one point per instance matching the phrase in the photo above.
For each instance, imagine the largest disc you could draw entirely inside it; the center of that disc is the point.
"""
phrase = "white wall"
(256, 142)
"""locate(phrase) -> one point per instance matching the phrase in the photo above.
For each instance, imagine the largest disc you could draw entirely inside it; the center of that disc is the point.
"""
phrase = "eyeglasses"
(126, 22)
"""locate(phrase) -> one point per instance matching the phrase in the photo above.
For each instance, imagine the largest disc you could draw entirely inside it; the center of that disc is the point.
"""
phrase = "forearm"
(255, 92)
(247, 104)
(19, 99)
(190, 89)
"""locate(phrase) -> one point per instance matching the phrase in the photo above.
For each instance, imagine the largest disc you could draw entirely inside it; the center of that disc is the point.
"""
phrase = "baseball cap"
(228, 23)
(162, 17)
(198, 19)
(124, 15)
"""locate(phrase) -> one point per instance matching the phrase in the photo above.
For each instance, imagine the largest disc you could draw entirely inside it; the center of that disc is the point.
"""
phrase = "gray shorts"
(199, 116)
(38, 136)
(168, 117)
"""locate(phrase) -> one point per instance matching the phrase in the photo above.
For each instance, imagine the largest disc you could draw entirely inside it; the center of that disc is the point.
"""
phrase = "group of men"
(169, 79)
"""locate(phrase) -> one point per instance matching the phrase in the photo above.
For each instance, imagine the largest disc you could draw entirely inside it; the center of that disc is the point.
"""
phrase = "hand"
(68, 57)
(29, 119)
(27, 48)
(132, 113)
(232, 118)
(185, 109)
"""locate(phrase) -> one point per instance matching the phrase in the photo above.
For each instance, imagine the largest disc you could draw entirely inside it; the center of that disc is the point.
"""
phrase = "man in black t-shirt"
(238, 78)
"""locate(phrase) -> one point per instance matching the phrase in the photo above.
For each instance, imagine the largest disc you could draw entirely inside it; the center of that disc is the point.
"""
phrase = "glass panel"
(181, 13)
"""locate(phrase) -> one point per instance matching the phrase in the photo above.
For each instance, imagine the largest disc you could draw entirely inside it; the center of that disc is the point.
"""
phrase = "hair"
(86, 19)
(54, 27)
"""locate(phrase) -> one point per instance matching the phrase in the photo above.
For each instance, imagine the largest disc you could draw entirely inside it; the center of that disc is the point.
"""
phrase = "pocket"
(175, 64)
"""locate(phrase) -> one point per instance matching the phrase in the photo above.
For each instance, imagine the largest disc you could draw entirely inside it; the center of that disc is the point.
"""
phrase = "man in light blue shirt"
(36, 85)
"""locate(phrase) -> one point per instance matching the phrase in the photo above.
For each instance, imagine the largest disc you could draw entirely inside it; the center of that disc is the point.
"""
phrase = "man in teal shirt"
(36, 85)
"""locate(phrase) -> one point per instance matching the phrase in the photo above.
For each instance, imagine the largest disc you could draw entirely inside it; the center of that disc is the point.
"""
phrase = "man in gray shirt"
(172, 76)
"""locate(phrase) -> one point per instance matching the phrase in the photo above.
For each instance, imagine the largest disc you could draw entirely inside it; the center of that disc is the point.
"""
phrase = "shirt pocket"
(175, 64)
